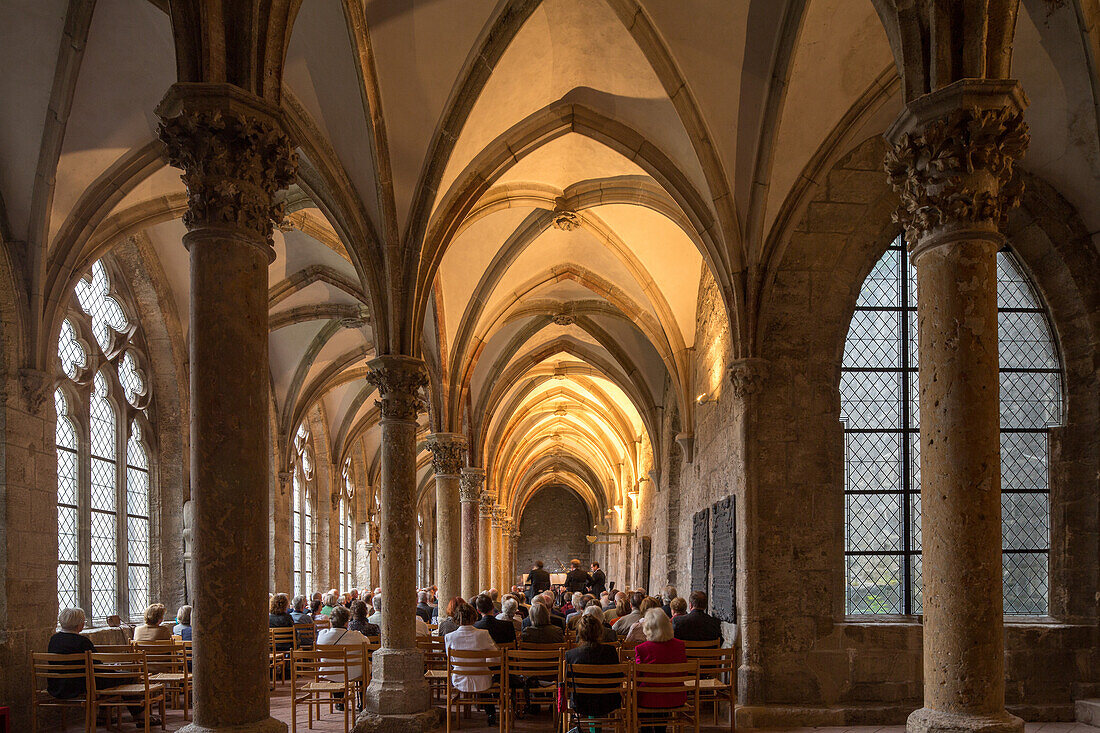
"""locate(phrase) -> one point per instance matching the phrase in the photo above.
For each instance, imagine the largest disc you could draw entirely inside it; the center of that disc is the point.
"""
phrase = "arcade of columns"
(951, 161)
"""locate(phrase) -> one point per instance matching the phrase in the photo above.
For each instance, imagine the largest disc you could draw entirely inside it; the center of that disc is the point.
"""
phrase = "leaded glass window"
(880, 412)
(302, 514)
(102, 462)
(347, 531)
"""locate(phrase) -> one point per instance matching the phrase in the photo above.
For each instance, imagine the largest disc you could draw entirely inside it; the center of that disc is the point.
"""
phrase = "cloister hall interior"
(794, 303)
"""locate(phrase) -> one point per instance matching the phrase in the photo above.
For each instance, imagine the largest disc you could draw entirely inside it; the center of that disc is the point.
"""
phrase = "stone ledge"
(271, 725)
(415, 723)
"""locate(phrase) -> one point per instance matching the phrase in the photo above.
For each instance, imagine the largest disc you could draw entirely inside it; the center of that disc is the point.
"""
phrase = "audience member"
(678, 606)
(698, 625)
(467, 637)
(660, 647)
(537, 629)
(508, 612)
(315, 609)
(298, 611)
(620, 608)
(669, 596)
(594, 610)
(330, 600)
(152, 630)
(339, 633)
(423, 609)
(359, 620)
(376, 604)
(495, 595)
(635, 635)
(503, 632)
(449, 623)
(592, 650)
(182, 629)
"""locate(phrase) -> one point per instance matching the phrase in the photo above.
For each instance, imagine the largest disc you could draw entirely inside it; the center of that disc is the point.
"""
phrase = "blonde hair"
(154, 614)
(656, 625)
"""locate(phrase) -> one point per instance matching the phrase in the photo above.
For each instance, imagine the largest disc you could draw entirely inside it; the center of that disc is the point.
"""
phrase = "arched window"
(102, 501)
(880, 411)
(302, 514)
(347, 530)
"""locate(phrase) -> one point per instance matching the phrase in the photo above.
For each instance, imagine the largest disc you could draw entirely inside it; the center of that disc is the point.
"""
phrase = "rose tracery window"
(880, 411)
(102, 500)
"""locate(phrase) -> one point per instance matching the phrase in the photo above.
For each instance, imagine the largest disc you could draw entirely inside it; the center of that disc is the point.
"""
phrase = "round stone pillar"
(470, 495)
(397, 697)
(235, 158)
(951, 162)
(485, 539)
(448, 454)
(505, 551)
(513, 547)
(496, 522)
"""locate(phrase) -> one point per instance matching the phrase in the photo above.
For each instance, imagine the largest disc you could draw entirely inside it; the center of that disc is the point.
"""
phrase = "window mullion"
(84, 504)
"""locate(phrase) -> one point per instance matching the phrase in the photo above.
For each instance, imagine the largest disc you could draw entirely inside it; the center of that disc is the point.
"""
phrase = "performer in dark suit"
(577, 581)
(698, 625)
(599, 580)
(538, 580)
(503, 632)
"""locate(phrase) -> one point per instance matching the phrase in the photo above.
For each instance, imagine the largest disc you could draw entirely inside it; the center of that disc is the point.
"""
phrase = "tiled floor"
(280, 708)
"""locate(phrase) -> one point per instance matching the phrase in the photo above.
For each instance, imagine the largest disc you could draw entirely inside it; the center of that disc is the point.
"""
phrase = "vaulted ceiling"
(565, 173)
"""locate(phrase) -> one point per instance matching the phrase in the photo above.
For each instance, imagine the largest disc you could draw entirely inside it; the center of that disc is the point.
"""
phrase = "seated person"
(468, 637)
(331, 601)
(359, 620)
(503, 632)
(540, 630)
(298, 611)
(635, 635)
(594, 610)
(678, 606)
(279, 618)
(70, 641)
(698, 625)
(508, 612)
(151, 630)
(376, 603)
(182, 629)
(339, 633)
(659, 648)
(592, 650)
(424, 609)
(449, 623)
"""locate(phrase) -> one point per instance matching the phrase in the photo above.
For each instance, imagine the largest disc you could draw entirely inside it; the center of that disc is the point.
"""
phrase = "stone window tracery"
(302, 513)
(347, 530)
(102, 501)
(880, 412)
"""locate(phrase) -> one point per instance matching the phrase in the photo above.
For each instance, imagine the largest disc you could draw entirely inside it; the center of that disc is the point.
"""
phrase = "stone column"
(951, 161)
(505, 550)
(470, 494)
(235, 158)
(485, 539)
(494, 538)
(513, 546)
(448, 454)
(397, 697)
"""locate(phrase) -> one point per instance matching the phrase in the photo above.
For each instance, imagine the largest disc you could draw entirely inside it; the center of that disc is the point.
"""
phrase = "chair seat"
(436, 674)
(43, 696)
(324, 686)
(707, 683)
(167, 677)
(135, 689)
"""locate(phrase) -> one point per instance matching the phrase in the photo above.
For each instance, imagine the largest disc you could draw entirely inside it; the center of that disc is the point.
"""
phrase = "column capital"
(235, 157)
(747, 376)
(950, 159)
(469, 487)
(448, 453)
(485, 503)
(399, 380)
(498, 516)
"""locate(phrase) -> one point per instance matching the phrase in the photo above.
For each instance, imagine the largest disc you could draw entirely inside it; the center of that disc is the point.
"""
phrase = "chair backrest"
(377, 640)
(304, 635)
(719, 664)
(666, 678)
(128, 668)
(709, 644)
(479, 663)
(164, 657)
(188, 650)
(282, 636)
(323, 623)
(507, 646)
(542, 647)
(598, 679)
(114, 648)
(309, 665)
(544, 664)
(340, 658)
(46, 666)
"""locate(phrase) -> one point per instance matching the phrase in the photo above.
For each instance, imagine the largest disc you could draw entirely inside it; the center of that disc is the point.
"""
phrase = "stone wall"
(553, 526)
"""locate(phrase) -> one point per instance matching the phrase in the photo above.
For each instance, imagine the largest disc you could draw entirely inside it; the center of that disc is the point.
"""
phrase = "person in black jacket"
(598, 584)
(503, 632)
(698, 625)
(576, 581)
(592, 651)
(424, 609)
(546, 600)
(538, 580)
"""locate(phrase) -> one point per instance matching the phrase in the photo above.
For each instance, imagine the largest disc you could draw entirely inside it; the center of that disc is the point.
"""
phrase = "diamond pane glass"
(874, 584)
(70, 351)
(880, 408)
(104, 598)
(103, 537)
(135, 452)
(95, 298)
(1025, 583)
(67, 528)
(65, 435)
(67, 586)
(138, 586)
(137, 540)
(66, 475)
(133, 383)
(137, 492)
(103, 485)
(102, 420)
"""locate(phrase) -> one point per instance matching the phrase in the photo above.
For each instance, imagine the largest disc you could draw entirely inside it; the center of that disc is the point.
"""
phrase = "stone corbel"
(747, 376)
(687, 445)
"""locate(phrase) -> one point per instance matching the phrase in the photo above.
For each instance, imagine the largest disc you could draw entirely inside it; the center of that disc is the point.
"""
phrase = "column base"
(397, 686)
(271, 725)
(750, 684)
(430, 719)
(927, 720)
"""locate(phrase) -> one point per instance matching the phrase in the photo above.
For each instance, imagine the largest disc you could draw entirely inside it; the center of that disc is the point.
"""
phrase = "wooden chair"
(541, 666)
(282, 644)
(323, 623)
(114, 648)
(435, 664)
(711, 644)
(305, 635)
(667, 679)
(359, 670)
(486, 663)
(319, 678)
(168, 666)
(374, 639)
(46, 667)
(545, 647)
(127, 684)
(598, 679)
(717, 678)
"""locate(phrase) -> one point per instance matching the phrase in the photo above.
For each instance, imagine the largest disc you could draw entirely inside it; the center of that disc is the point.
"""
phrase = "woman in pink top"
(660, 648)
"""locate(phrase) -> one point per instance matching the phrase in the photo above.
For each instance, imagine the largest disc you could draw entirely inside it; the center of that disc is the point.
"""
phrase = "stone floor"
(280, 708)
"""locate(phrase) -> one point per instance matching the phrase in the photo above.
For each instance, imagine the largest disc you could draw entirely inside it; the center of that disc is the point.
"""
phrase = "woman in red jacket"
(660, 648)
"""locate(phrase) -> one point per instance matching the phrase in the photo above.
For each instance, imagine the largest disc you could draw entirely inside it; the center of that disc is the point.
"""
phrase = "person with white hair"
(609, 635)
(660, 647)
(508, 612)
(331, 600)
(376, 604)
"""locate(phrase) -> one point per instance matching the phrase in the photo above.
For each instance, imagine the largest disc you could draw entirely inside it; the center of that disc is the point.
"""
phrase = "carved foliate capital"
(951, 158)
(448, 453)
(485, 504)
(234, 155)
(469, 487)
(285, 479)
(399, 380)
(36, 387)
(747, 376)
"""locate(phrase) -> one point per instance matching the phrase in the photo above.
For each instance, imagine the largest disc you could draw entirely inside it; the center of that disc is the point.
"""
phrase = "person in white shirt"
(376, 617)
(339, 634)
(468, 637)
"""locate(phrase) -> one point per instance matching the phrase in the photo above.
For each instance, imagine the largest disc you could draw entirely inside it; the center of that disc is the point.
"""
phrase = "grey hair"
(376, 602)
(670, 592)
(183, 615)
(593, 609)
(299, 603)
(576, 598)
(508, 608)
(422, 597)
(540, 615)
(330, 599)
(71, 619)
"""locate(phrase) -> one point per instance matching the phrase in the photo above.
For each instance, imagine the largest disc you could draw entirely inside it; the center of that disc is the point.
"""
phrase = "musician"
(577, 581)
(538, 580)
(599, 580)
